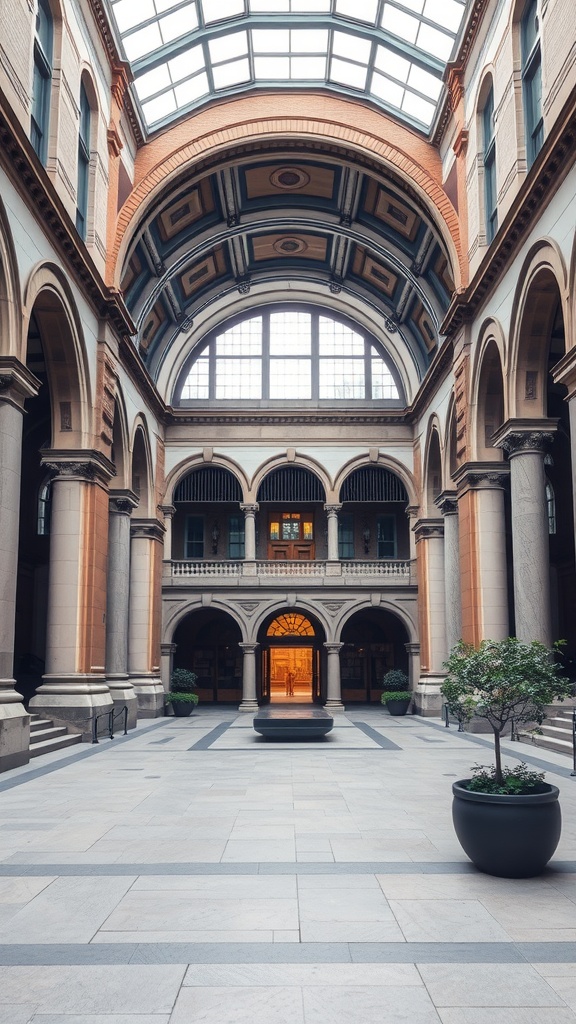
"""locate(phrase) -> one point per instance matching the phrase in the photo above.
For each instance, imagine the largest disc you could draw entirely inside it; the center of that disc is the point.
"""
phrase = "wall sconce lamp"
(215, 538)
(366, 538)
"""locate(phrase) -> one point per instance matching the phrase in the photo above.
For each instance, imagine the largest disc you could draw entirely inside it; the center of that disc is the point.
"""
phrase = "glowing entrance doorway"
(291, 661)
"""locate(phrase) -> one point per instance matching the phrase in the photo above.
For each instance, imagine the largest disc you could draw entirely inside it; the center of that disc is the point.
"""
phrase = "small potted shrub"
(182, 696)
(396, 695)
(507, 820)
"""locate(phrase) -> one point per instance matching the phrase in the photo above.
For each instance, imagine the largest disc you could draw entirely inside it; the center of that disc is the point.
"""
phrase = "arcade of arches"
(288, 403)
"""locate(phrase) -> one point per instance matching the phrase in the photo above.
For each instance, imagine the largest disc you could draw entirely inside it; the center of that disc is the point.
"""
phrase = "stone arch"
(195, 462)
(385, 461)
(141, 471)
(488, 400)
(450, 434)
(304, 604)
(303, 461)
(48, 295)
(386, 604)
(177, 615)
(120, 442)
(433, 474)
(173, 150)
(571, 311)
(10, 308)
(542, 281)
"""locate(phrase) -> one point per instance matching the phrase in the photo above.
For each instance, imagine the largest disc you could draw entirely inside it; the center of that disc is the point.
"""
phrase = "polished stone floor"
(193, 872)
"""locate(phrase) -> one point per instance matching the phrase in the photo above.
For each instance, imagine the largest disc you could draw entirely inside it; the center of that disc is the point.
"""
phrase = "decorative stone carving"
(447, 503)
(522, 441)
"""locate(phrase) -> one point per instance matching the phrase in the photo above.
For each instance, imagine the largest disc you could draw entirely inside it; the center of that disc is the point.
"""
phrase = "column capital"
(17, 382)
(412, 511)
(447, 503)
(85, 465)
(168, 511)
(332, 510)
(147, 529)
(250, 509)
(122, 503)
(565, 372)
(516, 437)
(481, 476)
(429, 529)
(248, 648)
(412, 648)
(333, 648)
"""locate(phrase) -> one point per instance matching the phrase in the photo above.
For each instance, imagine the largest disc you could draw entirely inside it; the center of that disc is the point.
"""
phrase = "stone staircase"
(556, 733)
(46, 737)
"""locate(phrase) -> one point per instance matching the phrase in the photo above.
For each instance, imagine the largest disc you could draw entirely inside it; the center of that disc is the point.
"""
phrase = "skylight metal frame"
(210, 31)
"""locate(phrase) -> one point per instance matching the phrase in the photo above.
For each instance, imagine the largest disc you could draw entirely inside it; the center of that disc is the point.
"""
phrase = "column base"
(250, 706)
(332, 706)
(149, 695)
(14, 736)
(123, 695)
(428, 700)
(74, 700)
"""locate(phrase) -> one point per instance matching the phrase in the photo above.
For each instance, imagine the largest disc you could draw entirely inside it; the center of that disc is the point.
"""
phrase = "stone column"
(147, 684)
(565, 373)
(249, 699)
(73, 688)
(167, 652)
(16, 384)
(483, 563)
(412, 514)
(168, 511)
(432, 614)
(333, 688)
(526, 448)
(413, 652)
(118, 603)
(448, 506)
(249, 564)
(332, 513)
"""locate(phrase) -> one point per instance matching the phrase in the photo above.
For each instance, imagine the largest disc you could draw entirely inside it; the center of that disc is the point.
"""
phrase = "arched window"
(43, 46)
(532, 80)
(289, 354)
(551, 508)
(489, 143)
(82, 190)
(44, 509)
(291, 624)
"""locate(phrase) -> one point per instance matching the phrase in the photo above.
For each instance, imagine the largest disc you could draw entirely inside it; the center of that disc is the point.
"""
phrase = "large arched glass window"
(532, 80)
(43, 44)
(289, 355)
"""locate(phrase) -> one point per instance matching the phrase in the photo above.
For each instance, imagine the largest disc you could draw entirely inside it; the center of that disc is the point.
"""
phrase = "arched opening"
(35, 525)
(208, 523)
(291, 502)
(434, 474)
(374, 642)
(490, 403)
(292, 661)
(372, 524)
(140, 474)
(207, 644)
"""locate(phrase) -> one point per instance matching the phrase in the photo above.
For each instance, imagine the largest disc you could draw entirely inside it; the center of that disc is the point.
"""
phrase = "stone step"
(37, 724)
(55, 743)
(47, 732)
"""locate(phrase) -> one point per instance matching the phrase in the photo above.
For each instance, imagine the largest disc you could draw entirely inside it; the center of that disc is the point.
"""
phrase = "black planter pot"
(182, 708)
(508, 836)
(398, 707)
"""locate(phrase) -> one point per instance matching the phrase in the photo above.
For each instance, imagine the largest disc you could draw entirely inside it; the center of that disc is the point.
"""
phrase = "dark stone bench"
(297, 722)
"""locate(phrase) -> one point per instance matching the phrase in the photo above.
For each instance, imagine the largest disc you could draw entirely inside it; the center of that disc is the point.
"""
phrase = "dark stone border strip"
(10, 869)
(80, 755)
(377, 737)
(206, 741)
(72, 954)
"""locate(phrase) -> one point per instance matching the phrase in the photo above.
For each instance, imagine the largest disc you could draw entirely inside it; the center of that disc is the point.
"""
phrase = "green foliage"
(515, 781)
(183, 681)
(181, 698)
(395, 695)
(395, 680)
(502, 680)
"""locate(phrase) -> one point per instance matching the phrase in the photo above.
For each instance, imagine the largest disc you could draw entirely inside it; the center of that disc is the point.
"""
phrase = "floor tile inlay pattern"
(193, 872)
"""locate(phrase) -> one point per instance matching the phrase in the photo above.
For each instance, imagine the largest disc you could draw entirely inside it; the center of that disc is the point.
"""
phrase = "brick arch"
(164, 157)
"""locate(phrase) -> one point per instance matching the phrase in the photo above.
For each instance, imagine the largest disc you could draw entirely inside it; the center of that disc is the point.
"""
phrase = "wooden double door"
(291, 536)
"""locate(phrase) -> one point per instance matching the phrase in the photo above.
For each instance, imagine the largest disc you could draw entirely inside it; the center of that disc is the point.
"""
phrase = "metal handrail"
(460, 721)
(111, 716)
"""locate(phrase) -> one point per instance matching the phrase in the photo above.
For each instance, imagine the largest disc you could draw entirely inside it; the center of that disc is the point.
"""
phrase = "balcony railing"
(393, 571)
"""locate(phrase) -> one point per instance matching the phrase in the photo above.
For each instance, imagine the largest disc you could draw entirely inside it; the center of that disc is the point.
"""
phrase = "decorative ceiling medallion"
(290, 246)
(289, 178)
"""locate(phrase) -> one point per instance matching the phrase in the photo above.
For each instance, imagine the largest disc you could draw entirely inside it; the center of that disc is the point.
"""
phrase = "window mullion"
(266, 355)
(315, 355)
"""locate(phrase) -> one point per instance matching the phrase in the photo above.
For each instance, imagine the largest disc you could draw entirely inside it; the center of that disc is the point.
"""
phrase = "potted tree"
(182, 694)
(507, 819)
(395, 694)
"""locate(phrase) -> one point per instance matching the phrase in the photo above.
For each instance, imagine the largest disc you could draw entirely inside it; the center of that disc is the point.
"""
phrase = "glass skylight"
(184, 52)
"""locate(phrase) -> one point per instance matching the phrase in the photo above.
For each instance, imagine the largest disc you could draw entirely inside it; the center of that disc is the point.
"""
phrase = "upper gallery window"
(42, 78)
(183, 52)
(489, 138)
(289, 355)
(532, 80)
(83, 163)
